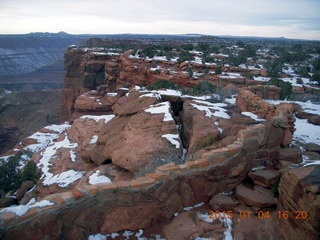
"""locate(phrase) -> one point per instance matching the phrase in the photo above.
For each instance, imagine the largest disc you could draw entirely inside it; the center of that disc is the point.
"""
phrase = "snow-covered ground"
(218, 109)
(96, 178)
(22, 209)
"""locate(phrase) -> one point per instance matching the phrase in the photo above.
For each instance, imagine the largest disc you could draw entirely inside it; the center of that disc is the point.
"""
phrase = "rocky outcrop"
(299, 195)
(137, 149)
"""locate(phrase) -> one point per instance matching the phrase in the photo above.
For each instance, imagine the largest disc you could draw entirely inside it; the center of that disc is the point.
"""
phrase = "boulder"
(141, 142)
(182, 227)
(222, 202)
(265, 178)
(129, 105)
(299, 191)
(290, 154)
(257, 197)
(132, 218)
(199, 130)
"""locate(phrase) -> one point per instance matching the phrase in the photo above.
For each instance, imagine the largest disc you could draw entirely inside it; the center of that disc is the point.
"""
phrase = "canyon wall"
(155, 197)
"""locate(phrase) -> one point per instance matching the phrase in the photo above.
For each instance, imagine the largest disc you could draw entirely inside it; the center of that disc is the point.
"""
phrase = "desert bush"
(11, 176)
(160, 84)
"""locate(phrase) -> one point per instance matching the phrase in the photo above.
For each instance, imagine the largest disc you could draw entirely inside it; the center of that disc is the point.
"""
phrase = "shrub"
(202, 88)
(218, 70)
(286, 87)
(299, 81)
(159, 84)
(11, 177)
(185, 56)
(30, 172)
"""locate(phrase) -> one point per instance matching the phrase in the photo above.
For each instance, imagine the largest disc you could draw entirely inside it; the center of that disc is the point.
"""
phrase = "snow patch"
(172, 139)
(96, 178)
(253, 116)
(192, 207)
(163, 107)
(219, 111)
(65, 178)
(306, 132)
(94, 139)
(22, 209)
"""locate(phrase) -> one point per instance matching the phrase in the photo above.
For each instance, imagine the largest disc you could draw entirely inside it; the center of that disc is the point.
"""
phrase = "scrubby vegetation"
(286, 87)
(12, 176)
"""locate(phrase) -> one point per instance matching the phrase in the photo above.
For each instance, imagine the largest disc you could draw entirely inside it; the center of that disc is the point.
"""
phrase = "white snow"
(45, 139)
(73, 155)
(94, 139)
(151, 95)
(293, 81)
(126, 235)
(172, 139)
(312, 163)
(111, 94)
(169, 92)
(158, 68)
(96, 178)
(253, 116)
(160, 58)
(97, 237)
(231, 100)
(197, 60)
(261, 79)
(65, 178)
(197, 98)
(307, 107)
(22, 209)
(163, 107)
(219, 111)
(106, 118)
(306, 132)
(192, 207)
(229, 75)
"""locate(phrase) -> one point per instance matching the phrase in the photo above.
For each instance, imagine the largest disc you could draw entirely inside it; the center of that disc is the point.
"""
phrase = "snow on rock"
(45, 139)
(96, 178)
(253, 116)
(65, 178)
(306, 132)
(169, 92)
(307, 107)
(261, 79)
(172, 139)
(219, 111)
(159, 108)
(94, 139)
(22, 209)
(312, 163)
(106, 118)
(112, 94)
(192, 207)
(151, 95)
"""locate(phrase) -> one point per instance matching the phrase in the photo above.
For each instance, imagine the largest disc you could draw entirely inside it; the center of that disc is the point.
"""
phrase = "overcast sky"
(270, 18)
